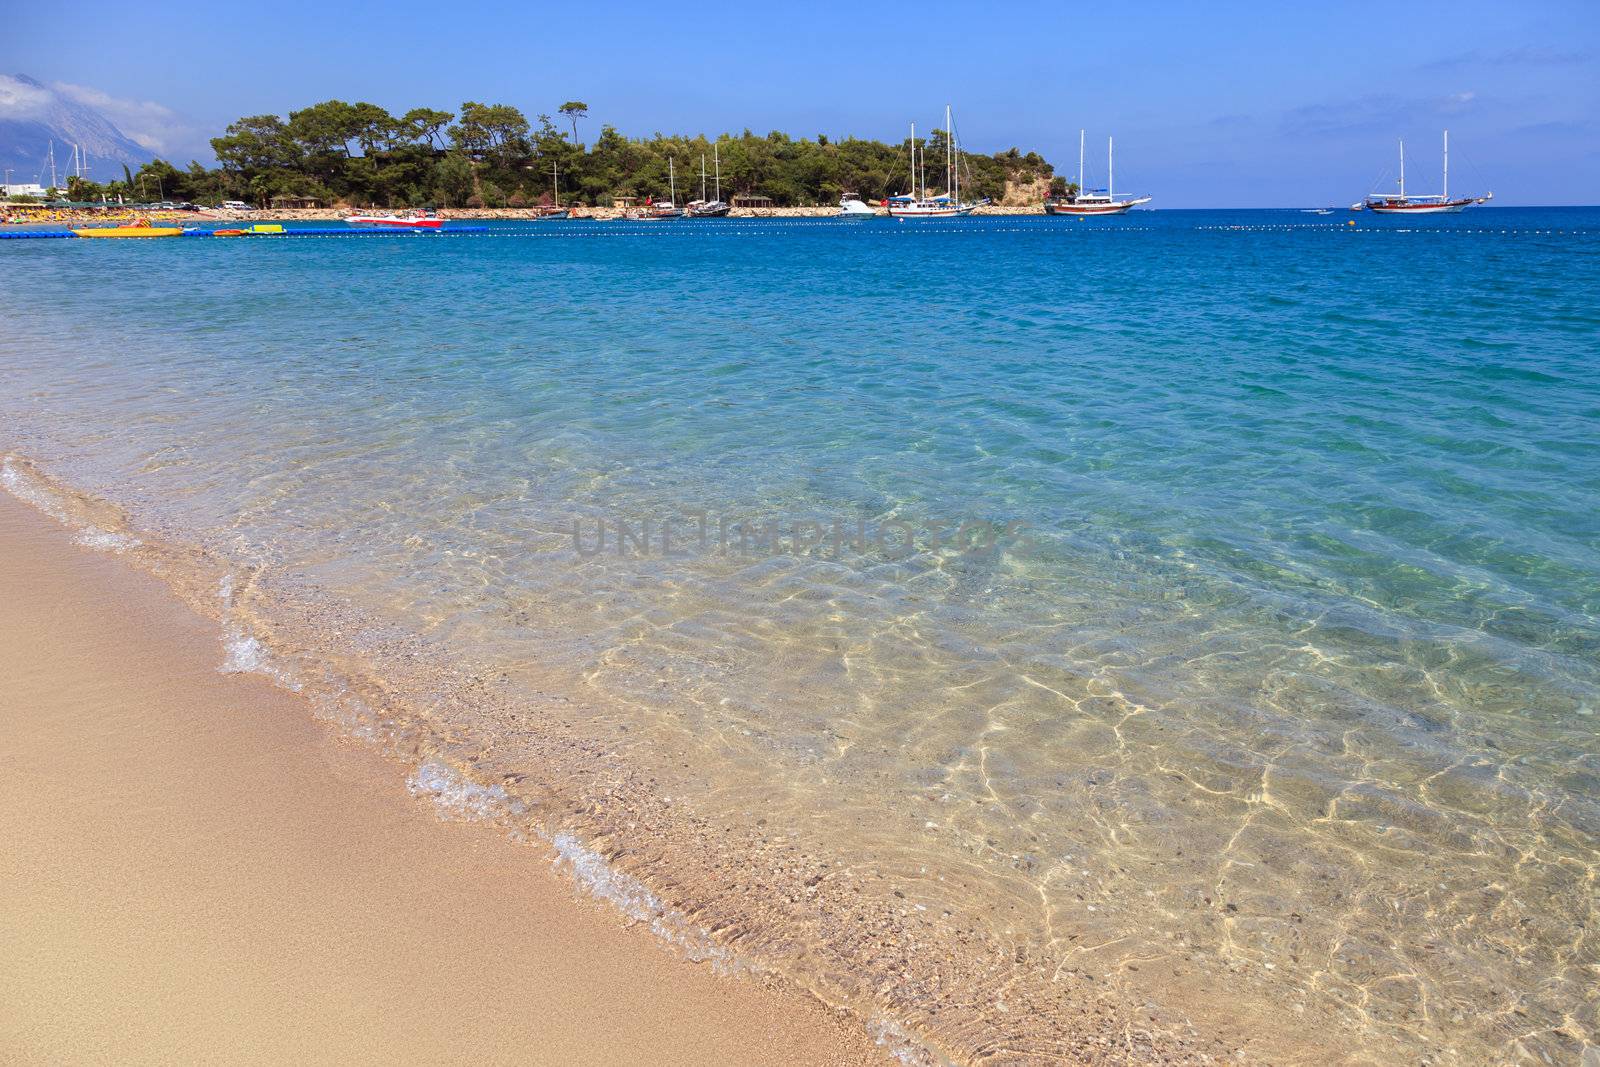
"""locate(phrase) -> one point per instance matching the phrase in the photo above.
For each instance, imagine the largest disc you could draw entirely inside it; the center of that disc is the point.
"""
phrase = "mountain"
(33, 114)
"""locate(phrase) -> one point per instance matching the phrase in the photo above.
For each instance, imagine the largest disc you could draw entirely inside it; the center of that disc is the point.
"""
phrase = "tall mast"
(716, 161)
(52, 164)
(1080, 162)
(1447, 164)
(702, 177)
(555, 181)
(1402, 168)
(949, 158)
(1110, 171)
(914, 190)
(672, 183)
(916, 181)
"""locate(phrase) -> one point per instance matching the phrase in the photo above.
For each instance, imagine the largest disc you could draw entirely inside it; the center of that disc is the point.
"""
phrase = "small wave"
(457, 797)
(104, 540)
(633, 899)
(243, 652)
(246, 655)
(25, 490)
(28, 490)
(892, 1038)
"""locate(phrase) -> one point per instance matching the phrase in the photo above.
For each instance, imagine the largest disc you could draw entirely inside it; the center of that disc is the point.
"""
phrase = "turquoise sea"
(1176, 634)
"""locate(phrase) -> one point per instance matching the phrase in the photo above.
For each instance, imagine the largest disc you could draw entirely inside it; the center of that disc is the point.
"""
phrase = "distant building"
(28, 189)
(752, 200)
(295, 202)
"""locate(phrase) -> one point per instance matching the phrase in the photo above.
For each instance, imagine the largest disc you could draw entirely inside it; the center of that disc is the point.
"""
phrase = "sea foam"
(29, 491)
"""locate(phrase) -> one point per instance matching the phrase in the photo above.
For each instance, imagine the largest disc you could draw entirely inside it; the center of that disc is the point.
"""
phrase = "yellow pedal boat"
(135, 228)
(132, 231)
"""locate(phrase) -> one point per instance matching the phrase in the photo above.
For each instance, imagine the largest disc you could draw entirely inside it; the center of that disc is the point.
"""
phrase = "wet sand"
(194, 868)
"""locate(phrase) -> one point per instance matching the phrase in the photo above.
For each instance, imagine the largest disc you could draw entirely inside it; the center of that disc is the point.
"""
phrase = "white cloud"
(155, 127)
(19, 100)
(152, 125)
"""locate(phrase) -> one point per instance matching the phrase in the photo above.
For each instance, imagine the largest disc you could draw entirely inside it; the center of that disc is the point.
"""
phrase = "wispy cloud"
(1509, 57)
(1373, 112)
(22, 100)
(152, 125)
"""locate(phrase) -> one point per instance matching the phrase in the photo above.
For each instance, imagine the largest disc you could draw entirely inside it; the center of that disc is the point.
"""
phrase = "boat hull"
(929, 213)
(1453, 208)
(396, 224)
(1115, 207)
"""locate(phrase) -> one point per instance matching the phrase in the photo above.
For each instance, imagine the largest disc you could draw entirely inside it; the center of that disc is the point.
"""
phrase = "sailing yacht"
(554, 211)
(1423, 204)
(709, 209)
(1094, 201)
(655, 210)
(918, 204)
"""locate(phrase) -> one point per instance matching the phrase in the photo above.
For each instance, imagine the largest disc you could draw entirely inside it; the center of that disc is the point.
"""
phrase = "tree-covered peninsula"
(491, 155)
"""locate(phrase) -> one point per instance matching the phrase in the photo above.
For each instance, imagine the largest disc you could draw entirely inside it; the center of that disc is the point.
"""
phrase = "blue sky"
(1212, 104)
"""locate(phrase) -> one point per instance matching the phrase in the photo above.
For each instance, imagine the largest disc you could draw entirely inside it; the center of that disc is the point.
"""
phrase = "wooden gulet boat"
(554, 212)
(1425, 204)
(1096, 201)
(709, 209)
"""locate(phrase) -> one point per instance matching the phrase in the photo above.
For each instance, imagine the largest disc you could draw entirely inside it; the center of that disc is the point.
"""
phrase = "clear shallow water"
(1269, 712)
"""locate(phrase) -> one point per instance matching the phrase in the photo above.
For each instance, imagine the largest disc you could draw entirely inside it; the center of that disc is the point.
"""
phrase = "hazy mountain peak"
(33, 114)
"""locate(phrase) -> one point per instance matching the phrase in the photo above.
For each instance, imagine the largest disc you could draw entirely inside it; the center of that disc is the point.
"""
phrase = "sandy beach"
(195, 868)
(40, 217)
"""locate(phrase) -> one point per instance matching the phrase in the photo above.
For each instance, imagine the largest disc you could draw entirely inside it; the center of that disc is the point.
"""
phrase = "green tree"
(252, 144)
(452, 179)
(574, 110)
(326, 128)
(370, 127)
(426, 123)
(487, 153)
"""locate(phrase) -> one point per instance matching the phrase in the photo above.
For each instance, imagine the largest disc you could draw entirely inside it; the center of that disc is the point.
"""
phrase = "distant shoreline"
(40, 213)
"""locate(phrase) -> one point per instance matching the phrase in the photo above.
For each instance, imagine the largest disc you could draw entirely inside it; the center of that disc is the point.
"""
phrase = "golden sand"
(194, 868)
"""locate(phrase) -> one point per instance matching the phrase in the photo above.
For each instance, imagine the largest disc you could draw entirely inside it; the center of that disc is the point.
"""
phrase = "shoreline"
(507, 214)
(243, 879)
(819, 932)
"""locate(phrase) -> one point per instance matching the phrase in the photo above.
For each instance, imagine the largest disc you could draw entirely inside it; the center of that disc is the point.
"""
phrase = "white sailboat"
(709, 209)
(918, 204)
(1403, 203)
(656, 210)
(554, 211)
(1094, 201)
